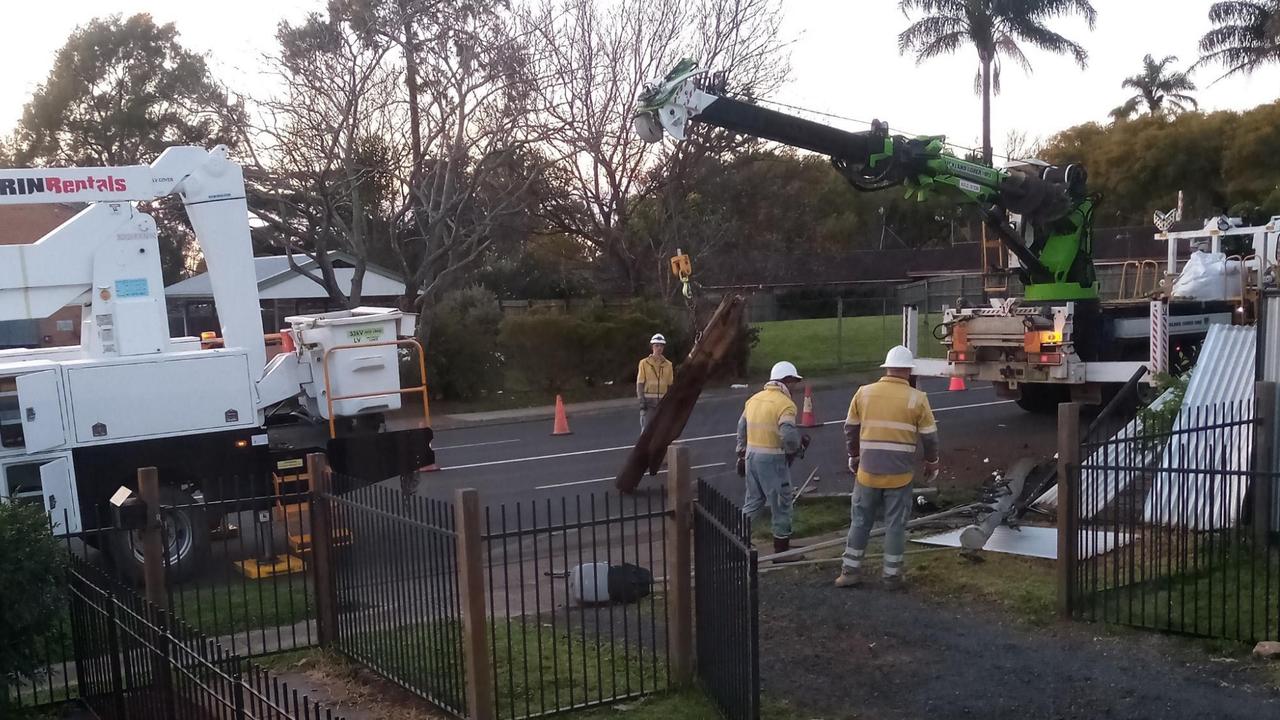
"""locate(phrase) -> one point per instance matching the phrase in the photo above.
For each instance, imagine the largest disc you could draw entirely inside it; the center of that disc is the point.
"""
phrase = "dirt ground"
(970, 453)
(867, 653)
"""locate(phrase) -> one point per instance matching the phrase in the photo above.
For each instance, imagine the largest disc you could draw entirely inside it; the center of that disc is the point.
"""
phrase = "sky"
(844, 57)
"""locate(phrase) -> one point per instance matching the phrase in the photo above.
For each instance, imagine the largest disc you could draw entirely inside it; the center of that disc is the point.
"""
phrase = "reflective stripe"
(888, 446)
(892, 571)
(891, 425)
(854, 554)
(852, 564)
(929, 430)
(893, 558)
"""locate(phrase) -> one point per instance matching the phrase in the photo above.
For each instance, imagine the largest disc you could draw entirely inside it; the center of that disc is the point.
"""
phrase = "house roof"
(277, 281)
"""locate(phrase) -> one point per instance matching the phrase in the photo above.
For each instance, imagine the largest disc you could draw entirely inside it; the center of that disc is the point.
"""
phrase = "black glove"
(742, 466)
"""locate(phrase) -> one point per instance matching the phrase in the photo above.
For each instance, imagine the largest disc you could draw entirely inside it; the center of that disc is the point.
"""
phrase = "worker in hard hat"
(767, 443)
(654, 378)
(887, 422)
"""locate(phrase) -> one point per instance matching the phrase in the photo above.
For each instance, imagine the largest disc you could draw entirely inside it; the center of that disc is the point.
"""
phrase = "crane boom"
(1051, 201)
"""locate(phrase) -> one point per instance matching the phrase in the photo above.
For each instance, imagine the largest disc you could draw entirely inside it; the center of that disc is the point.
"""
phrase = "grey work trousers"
(769, 482)
(865, 504)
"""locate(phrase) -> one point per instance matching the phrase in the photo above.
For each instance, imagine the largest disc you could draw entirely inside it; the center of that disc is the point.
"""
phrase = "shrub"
(31, 594)
(546, 350)
(463, 361)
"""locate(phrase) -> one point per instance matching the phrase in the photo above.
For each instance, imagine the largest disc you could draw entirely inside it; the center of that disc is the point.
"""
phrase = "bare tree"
(320, 179)
(597, 58)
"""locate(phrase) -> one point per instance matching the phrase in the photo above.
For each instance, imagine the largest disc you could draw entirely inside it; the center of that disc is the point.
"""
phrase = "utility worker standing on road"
(767, 443)
(887, 421)
(654, 378)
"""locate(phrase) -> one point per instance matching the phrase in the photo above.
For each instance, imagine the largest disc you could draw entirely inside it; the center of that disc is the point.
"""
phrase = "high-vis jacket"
(887, 421)
(656, 374)
(768, 423)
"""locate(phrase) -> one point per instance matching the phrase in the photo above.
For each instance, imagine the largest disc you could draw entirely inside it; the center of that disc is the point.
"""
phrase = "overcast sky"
(844, 57)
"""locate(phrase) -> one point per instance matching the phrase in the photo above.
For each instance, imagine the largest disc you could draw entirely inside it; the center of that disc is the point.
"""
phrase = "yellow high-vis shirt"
(891, 419)
(765, 414)
(656, 374)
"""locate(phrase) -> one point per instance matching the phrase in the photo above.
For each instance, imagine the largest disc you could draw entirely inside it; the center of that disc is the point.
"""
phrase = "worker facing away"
(768, 442)
(887, 421)
(654, 378)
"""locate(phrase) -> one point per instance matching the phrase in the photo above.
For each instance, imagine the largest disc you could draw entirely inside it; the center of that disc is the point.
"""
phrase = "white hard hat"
(899, 357)
(784, 370)
(657, 339)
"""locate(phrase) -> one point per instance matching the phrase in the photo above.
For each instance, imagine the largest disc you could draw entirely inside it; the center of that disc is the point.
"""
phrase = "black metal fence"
(573, 614)
(246, 575)
(1167, 535)
(727, 605)
(134, 660)
(395, 581)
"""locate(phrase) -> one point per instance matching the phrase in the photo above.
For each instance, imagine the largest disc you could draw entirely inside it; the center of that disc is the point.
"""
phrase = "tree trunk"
(411, 86)
(986, 109)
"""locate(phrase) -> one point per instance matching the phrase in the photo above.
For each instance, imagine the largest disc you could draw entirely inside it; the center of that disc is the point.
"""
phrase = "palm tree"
(995, 28)
(1247, 35)
(1159, 89)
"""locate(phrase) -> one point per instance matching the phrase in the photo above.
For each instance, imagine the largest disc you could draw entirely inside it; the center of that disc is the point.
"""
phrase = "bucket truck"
(1059, 339)
(77, 422)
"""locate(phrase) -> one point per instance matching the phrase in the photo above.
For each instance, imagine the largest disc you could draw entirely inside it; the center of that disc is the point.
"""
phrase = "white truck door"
(40, 406)
(60, 501)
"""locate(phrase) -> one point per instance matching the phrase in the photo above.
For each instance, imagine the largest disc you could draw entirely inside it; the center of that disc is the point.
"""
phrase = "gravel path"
(867, 653)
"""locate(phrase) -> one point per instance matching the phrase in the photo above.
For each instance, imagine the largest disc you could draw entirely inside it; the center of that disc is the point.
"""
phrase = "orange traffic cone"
(562, 421)
(957, 384)
(807, 418)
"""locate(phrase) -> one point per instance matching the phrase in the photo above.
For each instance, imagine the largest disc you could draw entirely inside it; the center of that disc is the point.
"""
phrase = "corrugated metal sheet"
(1099, 487)
(1191, 488)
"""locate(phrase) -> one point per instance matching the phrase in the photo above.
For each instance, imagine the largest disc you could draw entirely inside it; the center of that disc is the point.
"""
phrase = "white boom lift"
(76, 422)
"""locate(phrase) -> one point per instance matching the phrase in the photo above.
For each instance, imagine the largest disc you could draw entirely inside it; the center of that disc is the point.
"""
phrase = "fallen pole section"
(876, 532)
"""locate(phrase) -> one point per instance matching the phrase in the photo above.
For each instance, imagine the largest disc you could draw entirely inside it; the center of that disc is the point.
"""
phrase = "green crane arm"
(1052, 201)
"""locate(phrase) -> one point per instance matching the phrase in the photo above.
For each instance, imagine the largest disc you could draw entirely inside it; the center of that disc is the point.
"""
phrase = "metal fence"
(574, 620)
(1167, 529)
(395, 582)
(727, 605)
(135, 661)
(249, 579)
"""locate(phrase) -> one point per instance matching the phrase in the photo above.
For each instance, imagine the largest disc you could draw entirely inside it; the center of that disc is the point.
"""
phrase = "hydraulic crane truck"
(77, 422)
(1056, 341)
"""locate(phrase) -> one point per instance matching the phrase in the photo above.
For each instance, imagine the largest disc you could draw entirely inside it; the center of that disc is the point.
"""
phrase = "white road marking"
(596, 451)
(588, 482)
(479, 444)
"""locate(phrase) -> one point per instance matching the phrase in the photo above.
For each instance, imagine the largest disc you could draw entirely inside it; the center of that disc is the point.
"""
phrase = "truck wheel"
(1043, 399)
(186, 538)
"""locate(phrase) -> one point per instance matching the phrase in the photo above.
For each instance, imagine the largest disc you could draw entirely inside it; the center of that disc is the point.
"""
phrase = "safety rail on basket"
(420, 389)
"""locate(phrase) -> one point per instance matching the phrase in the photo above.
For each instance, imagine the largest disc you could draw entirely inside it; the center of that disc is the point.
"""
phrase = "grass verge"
(1024, 587)
(827, 346)
(811, 517)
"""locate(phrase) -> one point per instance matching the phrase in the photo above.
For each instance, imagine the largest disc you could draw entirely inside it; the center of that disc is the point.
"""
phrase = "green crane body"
(1057, 260)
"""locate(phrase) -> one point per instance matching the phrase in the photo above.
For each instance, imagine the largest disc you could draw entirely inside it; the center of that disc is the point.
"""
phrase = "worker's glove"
(931, 470)
(741, 465)
(804, 444)
(853, 464)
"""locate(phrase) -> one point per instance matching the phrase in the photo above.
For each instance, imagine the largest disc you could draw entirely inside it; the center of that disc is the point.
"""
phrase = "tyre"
(1043, 399)
(186, 540)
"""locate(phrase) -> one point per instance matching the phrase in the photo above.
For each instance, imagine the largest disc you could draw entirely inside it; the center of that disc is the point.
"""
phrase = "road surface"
(519, 462)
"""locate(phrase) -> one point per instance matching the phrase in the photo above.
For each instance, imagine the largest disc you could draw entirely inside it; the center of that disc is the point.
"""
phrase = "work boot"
(893, 583)
(849, 577)
(782, 545)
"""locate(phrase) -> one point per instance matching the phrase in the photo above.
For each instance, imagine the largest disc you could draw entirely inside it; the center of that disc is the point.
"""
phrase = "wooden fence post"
(1264, 410)
(1068, 469)
(153, 550)
(679, 565)
(322, 525)
(479, 672)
